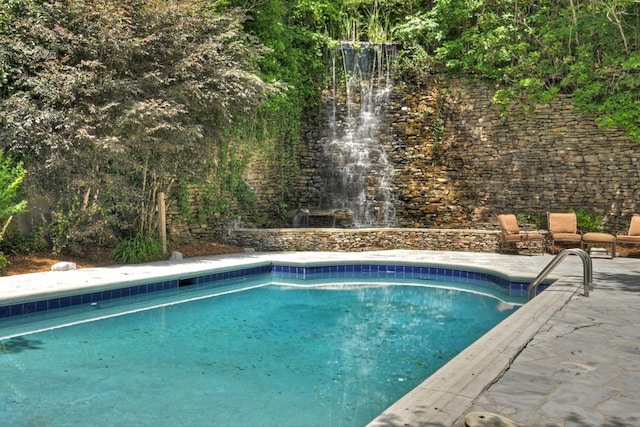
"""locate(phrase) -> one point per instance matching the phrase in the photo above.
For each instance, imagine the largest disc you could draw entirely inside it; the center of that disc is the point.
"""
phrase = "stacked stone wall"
(459, 161)
(550, 159)
(367, 239)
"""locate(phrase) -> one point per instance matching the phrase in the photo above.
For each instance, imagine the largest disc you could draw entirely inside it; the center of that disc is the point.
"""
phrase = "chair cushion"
(628, 239)
(508, 224)
(563, 223)
(523, 237)
(566, 237)
(634, 228)
(598, 238)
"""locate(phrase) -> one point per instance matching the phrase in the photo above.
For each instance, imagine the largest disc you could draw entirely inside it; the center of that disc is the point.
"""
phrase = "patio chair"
(632, 236)
(511, 233)
(563, 227)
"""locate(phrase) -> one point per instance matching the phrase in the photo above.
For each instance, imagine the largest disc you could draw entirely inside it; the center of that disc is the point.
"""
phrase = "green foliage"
(538, 221)
(612, 93)
(91, 109)
(11, 176)
(283, 210)
(137, 249)
(536, 50)
(415, 34)
(18, 243)
(245, 197)
(588, 221)
(184, 202)
(293, 33)
(60, 228)
(75, 228)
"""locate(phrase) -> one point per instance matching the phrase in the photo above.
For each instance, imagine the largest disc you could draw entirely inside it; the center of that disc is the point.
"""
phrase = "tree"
(110, 102)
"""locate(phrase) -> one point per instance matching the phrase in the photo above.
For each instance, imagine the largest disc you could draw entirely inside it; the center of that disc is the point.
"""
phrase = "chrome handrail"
(532, 290)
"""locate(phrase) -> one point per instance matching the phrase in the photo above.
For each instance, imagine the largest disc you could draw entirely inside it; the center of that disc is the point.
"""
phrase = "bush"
(588, 221)
(537, 220)
(3, 261)
(11, 177)
(137, 249)
(16, 243)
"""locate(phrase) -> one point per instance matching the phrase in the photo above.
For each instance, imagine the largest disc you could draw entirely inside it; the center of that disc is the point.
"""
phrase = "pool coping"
(43, 285)
(442, 399)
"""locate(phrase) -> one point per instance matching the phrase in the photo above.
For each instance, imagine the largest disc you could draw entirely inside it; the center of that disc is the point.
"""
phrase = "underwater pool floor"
(562, 359)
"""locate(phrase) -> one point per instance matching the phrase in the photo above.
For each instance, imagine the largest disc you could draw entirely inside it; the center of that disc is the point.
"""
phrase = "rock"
(63, 266)
(175, 256)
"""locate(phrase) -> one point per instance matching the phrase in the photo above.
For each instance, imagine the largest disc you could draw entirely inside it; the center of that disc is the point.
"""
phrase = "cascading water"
(356, 174)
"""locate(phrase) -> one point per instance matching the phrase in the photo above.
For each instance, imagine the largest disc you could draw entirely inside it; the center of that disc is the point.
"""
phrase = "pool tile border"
(277, 271)
(517, 289)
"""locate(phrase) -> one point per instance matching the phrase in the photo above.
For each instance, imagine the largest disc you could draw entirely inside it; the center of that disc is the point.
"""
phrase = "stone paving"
(583, 367)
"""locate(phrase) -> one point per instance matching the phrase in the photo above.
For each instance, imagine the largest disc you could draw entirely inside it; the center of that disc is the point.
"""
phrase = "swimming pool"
(362, 282)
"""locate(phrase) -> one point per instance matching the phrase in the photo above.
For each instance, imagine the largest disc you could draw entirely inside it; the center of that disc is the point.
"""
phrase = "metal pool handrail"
(532, 290)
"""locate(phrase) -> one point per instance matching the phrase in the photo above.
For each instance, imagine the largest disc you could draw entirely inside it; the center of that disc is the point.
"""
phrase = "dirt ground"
(33, 263)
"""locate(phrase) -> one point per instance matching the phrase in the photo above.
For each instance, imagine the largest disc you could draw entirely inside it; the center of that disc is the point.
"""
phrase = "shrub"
(11, 177)
(137, 249)
(537, 220)
(588, 221)
(3, 261)
(15, 242)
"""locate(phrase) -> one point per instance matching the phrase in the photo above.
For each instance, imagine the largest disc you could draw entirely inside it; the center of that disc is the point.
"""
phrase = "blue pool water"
(269, 356)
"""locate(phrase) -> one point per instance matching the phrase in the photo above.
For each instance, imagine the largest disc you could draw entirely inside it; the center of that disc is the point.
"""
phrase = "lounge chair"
(563, 227)
(632, 236)
(511, 233)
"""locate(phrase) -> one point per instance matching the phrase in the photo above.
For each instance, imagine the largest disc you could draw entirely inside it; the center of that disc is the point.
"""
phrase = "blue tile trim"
(399, 271)
(277, 272)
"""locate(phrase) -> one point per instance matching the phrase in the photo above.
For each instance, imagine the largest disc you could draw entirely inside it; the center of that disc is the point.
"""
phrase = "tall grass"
(134, 250)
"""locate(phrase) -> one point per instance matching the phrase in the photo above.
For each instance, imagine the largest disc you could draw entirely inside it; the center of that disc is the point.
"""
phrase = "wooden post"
(162, 222)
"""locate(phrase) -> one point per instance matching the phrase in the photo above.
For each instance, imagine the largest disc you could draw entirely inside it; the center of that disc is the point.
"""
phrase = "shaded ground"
(33, 263)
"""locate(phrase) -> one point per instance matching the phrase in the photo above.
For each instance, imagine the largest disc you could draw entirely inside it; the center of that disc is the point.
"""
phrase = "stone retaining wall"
(331, 239)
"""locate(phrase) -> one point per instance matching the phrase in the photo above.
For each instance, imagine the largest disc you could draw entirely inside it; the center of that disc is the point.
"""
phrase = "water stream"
(356, 173)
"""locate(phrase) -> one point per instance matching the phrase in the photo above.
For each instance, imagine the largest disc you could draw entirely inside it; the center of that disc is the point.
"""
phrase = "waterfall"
(356, 173)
